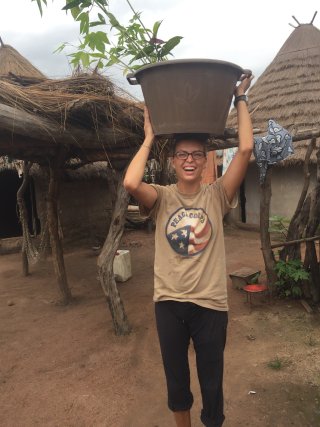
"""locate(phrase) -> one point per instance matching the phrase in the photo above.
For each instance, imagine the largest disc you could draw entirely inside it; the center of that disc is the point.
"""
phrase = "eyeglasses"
(196, 155)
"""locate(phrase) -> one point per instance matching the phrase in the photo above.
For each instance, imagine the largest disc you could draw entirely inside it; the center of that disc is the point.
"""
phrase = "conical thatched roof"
(12, 62)
(288, 91)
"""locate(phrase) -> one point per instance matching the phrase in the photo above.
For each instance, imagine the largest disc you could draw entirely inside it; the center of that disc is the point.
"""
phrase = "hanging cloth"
(272, 148)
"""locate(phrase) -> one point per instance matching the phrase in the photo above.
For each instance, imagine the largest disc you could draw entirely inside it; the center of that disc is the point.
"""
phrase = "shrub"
(291, 275)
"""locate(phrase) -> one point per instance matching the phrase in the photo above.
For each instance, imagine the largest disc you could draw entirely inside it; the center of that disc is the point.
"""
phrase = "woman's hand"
(245, 82)
(148, 131)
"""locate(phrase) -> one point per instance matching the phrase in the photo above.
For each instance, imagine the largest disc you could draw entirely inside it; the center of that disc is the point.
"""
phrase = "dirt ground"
(63, 366)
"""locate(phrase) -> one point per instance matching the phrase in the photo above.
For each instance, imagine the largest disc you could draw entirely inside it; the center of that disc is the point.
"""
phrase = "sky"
(248, 33)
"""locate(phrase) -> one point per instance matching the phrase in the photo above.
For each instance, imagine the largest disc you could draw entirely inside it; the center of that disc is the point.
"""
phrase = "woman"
(190, 275)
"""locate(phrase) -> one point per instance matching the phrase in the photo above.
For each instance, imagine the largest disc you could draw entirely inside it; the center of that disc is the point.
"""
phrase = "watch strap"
(240, 98)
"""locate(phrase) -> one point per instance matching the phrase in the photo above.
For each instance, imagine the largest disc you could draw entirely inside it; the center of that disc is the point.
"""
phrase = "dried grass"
(86, 100)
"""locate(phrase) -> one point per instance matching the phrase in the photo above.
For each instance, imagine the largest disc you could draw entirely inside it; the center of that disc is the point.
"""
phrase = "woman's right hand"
(148, 131)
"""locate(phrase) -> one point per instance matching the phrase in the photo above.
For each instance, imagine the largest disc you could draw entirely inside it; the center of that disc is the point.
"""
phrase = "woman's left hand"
(245, 82)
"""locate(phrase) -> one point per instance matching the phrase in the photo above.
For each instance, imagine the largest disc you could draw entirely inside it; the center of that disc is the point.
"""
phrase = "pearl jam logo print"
(188, 231)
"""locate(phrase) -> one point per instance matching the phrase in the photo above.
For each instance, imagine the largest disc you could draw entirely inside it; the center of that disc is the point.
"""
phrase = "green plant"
(278, 363)
(130, 46)
(291, 275)
(278, 225)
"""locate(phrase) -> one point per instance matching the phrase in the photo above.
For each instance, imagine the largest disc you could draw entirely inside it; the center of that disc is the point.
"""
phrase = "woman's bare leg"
(182, 418)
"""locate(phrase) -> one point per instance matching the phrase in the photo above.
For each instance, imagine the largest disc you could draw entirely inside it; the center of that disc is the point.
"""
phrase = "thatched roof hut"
(87, 113)
(12, 63)
(13, 66)
(288, 91)
(89, 116)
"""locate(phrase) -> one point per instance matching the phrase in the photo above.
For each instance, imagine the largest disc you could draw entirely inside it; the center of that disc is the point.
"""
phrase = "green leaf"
(75, 58)
(113, 20)
(113, 60)
(84, 22)
(75, 11)
(102, 2)
(100, 46)
(102, 36)
(100, 65)
(169, 45)
(98, 55)
(94, 23)
(102, 19)
(85, 59)
(39, 3)
(72, 4)
(135, 17)
(96, 40)
(60, 48)
(155, 28)
(143, 54)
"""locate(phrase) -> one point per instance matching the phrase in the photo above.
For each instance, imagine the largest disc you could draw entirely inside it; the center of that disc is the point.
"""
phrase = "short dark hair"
(202, 138)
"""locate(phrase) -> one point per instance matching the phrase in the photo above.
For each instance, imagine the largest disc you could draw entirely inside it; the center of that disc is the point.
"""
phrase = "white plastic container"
(122, 265)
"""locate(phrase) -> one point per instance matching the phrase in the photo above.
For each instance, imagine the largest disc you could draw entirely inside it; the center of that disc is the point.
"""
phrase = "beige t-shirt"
(190, 260)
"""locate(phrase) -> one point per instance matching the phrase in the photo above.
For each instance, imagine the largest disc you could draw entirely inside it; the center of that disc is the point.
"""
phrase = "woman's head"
(201, 138)
(189, 157)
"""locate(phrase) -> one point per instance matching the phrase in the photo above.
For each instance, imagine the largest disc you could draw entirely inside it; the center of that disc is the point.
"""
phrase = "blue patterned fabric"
(272, 148)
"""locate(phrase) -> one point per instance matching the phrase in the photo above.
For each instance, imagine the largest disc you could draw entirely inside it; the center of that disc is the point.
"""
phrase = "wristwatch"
(240, 98)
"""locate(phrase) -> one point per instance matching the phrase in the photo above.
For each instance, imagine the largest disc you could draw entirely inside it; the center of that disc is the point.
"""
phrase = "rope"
(34, 254)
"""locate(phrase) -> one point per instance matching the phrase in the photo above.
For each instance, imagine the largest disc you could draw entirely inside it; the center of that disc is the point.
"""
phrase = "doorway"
(9, 216)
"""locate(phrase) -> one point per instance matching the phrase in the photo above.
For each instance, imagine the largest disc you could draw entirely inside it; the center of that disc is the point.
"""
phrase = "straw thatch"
(11, 62)
(85, 100)
(288, 91)
(86, 113)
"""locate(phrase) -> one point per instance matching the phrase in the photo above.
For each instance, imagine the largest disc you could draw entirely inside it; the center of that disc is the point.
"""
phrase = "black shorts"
(177, 322)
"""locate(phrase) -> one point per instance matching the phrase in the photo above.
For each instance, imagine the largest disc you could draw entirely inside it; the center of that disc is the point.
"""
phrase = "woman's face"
(189, 169)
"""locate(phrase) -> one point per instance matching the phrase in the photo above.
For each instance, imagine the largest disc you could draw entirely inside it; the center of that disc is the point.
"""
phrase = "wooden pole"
(53, 223)
(106, 257)
(315, 13)
(293, 242)
(311, 260)
(268, 255)
(294, 232)
(23, 213)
